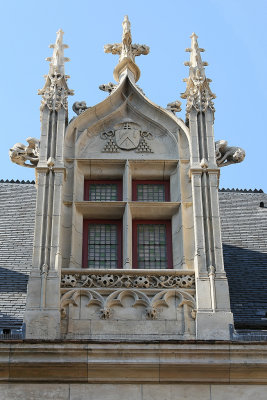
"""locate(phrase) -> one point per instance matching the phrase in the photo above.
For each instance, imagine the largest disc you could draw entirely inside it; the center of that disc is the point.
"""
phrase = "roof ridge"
(17, 181)
(241, 190)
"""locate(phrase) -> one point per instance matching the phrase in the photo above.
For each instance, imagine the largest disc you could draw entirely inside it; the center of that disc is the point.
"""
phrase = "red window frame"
(88, 182)
(155, 182)
(167, 223)
(86, 224)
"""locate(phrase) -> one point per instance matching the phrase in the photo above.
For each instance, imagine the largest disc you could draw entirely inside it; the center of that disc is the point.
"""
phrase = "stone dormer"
(127, 237)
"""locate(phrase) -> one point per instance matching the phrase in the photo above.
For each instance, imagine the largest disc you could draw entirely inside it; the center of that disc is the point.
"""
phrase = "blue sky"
(233, 32)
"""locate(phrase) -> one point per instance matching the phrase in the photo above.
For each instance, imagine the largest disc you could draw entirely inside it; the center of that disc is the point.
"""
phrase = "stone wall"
(133, 392)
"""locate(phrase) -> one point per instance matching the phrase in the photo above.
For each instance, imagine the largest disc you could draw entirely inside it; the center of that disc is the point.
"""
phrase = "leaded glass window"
(152, 245)
(102, 190)
(103, 244)
(151, 191)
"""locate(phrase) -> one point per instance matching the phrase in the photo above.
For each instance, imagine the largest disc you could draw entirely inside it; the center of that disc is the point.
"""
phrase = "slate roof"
(244, 237)
(17, 214)
(244, 234)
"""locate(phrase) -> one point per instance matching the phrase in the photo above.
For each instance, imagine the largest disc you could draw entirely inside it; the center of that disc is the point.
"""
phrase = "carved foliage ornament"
(226, 155)
(152, 305)
(55, 93)
(26, 156)
(198, 95)
(128, 281)
(127, 136)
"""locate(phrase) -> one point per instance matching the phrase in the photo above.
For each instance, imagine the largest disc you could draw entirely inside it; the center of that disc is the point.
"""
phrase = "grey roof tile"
(17, 213)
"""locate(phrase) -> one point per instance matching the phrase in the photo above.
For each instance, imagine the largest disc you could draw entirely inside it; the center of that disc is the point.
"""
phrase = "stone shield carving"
(127, 135)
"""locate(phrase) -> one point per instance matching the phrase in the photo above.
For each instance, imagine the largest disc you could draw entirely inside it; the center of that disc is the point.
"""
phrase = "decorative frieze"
(122, 280)
(153, 307)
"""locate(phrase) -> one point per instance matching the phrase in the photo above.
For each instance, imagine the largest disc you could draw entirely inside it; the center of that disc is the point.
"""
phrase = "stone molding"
(114, 362)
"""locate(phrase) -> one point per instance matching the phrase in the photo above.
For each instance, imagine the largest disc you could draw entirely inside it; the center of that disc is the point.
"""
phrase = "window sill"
(101, 209)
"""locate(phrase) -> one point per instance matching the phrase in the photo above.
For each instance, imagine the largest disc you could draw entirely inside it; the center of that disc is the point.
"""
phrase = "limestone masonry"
(127, 282)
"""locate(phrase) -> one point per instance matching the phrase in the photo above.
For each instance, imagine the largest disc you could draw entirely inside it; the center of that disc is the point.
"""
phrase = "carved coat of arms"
(128, 136)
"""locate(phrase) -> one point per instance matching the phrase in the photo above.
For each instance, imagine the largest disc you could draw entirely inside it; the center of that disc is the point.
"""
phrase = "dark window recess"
(152, 248)
(102, 190)
(6, 331)
(151, 191)
(262, 204)
(102, 244)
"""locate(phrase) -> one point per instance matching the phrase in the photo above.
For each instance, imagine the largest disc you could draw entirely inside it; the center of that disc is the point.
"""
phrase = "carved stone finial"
(26, 156)
(57, 61)
(55, 91)
(226, 155)
(197, 93)
(127, 52)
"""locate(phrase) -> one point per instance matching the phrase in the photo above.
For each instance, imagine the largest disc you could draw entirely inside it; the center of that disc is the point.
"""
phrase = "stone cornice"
(121, 362)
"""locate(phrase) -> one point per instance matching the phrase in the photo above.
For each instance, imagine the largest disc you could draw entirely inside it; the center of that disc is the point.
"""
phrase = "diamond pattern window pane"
(102, 246)
(152, 246)
(150, 192)
(103, 192)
